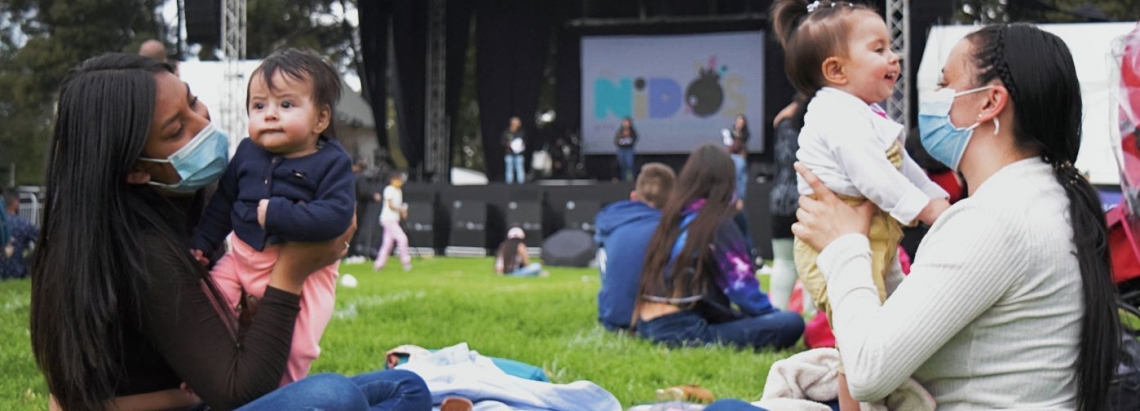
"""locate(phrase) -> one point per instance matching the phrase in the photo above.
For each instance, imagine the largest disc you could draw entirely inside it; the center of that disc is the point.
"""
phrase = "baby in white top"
(838, 54)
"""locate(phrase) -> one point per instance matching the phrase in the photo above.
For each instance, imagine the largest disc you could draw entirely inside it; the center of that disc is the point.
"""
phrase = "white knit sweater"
(989, 317)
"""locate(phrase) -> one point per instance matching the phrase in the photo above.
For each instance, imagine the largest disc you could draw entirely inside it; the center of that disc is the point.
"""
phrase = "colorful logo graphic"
(662, 97)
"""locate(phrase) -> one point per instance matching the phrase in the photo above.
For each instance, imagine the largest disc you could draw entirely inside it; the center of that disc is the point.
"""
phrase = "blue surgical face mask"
(200, 162)
(945, 142)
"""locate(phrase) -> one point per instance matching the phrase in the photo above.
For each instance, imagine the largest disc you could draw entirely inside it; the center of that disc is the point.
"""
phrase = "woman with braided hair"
(1010, 303)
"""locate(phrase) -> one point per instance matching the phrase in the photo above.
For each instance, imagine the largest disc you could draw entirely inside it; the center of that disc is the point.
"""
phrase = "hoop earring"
(997, 126)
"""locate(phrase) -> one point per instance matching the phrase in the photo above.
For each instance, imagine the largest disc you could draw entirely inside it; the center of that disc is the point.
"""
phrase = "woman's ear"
(138, 175)
(995, 102)
(833, 71)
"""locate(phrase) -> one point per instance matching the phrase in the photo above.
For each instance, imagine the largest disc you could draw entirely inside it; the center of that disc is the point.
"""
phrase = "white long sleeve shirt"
(990, 315)
(845, 143)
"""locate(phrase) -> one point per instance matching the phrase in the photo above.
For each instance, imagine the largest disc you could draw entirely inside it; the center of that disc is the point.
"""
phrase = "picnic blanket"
(457, 371)
(802, 381)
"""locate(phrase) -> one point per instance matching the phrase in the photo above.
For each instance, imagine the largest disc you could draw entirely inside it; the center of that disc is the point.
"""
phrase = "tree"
(41, 41)
(316, 24)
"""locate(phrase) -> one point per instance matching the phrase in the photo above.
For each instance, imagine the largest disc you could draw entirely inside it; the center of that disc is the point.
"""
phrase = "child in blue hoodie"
(622, 233)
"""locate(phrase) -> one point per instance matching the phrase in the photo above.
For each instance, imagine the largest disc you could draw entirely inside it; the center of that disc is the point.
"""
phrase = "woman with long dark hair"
(698, 267)
(1010, 303)
(511, 258)
(121, 314)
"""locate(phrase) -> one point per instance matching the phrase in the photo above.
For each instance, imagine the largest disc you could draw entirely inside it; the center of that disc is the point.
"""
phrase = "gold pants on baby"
(886, 232)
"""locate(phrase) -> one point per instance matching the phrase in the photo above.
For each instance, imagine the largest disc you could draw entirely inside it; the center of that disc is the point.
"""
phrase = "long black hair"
(744, 133)
(1038, 71)
(509, 253)
(709, 174)
(90, 272)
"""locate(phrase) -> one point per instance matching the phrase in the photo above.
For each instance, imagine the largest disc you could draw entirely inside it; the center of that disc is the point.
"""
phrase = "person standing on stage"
(514, 144)
(739, 151)
(625, 139)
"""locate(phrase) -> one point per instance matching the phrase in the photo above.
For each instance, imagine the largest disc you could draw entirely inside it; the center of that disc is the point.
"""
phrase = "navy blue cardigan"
(311, 198)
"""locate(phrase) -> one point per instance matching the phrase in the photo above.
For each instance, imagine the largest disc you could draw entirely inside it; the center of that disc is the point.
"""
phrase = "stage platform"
(470, 218)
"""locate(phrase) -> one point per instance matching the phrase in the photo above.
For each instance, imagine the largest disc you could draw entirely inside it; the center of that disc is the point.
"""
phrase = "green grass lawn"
(549, 322)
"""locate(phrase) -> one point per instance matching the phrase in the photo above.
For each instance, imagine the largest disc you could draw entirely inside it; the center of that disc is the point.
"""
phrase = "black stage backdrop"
(409, 39)
(512, 39)
(512, 44)
(373, 17)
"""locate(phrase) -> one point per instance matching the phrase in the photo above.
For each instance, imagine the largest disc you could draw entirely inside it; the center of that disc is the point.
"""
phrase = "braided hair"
(1038, 71)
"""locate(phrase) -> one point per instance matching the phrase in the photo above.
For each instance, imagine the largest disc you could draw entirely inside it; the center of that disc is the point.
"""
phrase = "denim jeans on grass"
(738, 405)
(780, 329)
(530, 270)
(388, 390)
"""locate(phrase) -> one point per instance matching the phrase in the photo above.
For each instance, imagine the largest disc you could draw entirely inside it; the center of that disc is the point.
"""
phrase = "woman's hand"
(298, 260)
(826, 218)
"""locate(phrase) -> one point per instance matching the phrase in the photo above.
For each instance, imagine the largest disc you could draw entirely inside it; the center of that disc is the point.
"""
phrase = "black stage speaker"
(526, 215)
(468, 234)
(580, 215)
(204, 22)
(568, 248)
(420, 227)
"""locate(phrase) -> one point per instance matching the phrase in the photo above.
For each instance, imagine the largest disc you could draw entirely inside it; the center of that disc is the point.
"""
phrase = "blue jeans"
(531, 270)
(779, 330)
(733, 405)
(388, 390)
(626, 170)
(741, 176)
(738, 405)
(515, 173)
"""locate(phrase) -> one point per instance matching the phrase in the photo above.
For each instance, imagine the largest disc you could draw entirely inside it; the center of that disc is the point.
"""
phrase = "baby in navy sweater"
(288, 181)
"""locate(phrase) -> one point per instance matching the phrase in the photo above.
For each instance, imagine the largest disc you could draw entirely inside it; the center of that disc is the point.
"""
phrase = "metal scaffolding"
(233, 116)
(437, 133)
(898, 25)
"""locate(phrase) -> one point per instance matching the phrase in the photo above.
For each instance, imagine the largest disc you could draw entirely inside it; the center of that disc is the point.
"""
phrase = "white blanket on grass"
(457, 371)
(800, 382)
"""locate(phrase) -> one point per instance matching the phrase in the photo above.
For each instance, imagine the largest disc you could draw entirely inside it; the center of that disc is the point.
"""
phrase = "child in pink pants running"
(287, 182)
(392, 211)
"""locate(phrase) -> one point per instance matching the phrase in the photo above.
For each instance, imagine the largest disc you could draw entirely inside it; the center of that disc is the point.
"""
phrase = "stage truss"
(437, 130)
(898, 25)
(233, 114)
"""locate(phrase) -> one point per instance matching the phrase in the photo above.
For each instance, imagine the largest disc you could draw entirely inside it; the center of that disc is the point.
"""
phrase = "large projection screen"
(680, 90)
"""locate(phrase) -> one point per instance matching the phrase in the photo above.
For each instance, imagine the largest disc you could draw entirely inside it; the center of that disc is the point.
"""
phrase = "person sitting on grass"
(511, 259)
(623, 230)
(121, 313)
(1010, 302)
(698, 268)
